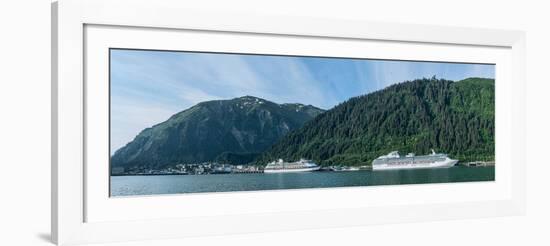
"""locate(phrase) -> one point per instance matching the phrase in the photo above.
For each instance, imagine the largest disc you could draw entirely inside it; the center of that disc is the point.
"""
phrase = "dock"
(478, 163)
(246, 171)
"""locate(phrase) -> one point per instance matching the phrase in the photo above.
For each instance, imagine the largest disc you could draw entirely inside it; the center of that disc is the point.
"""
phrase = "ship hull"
(442, 164)
(293, 170)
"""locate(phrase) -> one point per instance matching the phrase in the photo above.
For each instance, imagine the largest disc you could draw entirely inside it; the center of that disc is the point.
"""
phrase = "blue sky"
(147, 87)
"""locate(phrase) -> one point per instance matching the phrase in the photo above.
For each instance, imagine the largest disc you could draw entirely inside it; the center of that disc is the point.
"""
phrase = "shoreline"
(464, 165)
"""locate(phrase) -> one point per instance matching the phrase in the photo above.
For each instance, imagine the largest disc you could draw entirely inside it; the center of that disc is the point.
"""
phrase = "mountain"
(414, 116)
(234, 131)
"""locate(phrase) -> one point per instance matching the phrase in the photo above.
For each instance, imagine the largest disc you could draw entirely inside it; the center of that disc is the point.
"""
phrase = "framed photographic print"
(171, 125)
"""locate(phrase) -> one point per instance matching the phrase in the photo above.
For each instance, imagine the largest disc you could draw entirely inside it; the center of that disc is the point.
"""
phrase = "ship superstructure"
(281, 166)
(394, 160)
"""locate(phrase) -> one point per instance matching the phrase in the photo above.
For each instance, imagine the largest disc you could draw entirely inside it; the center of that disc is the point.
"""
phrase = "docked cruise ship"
(281, 166)
(394, 161)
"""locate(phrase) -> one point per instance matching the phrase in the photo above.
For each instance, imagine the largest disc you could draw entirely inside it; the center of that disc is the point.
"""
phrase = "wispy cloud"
(129, 117)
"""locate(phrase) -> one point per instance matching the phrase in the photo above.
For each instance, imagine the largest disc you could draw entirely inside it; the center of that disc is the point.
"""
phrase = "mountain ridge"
(455, 117)
(233, 130)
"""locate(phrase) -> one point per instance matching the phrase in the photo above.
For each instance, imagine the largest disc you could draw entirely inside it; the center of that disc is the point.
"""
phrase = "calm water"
(173, 184)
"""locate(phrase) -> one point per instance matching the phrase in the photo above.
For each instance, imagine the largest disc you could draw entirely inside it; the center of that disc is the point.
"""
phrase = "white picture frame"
(82, 212)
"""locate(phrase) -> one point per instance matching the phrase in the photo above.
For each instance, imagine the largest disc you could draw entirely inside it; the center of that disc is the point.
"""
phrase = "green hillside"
(414, 116)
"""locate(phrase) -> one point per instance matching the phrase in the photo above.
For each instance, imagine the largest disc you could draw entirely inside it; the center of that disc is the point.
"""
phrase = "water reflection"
(148, 185)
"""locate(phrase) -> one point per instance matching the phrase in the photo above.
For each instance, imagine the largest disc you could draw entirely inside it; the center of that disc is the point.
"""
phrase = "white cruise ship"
(290, 167)
(394, 161)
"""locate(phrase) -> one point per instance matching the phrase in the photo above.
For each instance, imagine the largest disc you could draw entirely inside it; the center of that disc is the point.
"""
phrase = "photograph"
(193, 122)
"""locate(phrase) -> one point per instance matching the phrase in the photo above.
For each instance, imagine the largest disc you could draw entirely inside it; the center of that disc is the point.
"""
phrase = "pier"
(478, 163)
(247, 171)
